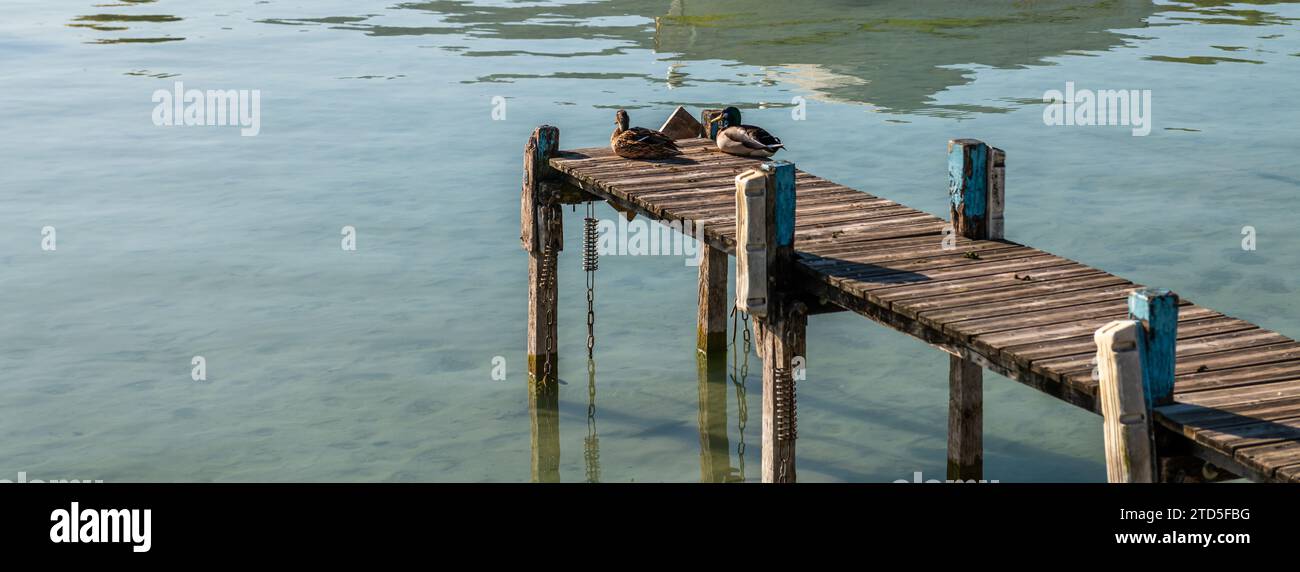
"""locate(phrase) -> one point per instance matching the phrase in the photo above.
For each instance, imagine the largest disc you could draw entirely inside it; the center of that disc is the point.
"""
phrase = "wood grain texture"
(541, 146)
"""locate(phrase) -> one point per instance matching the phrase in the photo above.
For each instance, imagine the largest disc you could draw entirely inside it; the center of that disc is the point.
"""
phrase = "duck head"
(621, 121)
(729, 117)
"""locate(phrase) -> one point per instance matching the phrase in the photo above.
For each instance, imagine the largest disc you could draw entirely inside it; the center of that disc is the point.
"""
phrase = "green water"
(376, 365)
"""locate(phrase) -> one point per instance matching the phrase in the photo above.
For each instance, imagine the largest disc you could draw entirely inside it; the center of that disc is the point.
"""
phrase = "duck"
(744, 140)
(639, 142)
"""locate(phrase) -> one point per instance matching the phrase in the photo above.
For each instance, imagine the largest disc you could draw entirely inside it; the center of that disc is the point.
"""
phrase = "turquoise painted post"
(1157, 310)
(968, 187)
(782, 176)
(711, 127)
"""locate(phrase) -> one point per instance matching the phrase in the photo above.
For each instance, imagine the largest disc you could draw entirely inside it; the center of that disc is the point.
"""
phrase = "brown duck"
(639, 142)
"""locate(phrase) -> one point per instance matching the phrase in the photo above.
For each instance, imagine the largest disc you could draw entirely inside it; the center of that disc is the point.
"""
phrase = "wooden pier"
(1188, 394)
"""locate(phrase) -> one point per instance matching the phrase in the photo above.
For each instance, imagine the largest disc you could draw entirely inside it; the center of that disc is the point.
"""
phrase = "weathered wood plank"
(1048, 349)
(1241, 376)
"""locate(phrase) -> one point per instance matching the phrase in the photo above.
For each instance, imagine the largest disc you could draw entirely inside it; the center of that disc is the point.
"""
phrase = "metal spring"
(590, 255)
(545, 274)
(785, 406)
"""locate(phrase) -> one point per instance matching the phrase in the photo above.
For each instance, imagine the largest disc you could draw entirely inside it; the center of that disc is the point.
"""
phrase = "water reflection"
(895, 55)
(591, 443)
(544, 428)
(715, 451)
(118, 23)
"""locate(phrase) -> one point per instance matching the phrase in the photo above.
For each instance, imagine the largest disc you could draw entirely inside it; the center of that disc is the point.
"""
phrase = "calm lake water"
(375, 365)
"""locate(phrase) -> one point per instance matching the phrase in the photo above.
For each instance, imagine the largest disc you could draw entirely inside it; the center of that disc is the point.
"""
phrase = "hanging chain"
(547, 279)
(749, 341)
(739, 375)
(590, 263)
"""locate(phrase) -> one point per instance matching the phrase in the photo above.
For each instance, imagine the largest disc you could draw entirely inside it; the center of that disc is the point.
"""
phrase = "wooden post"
(976, 181)
(783, 325)
(1130, 446)
(997, 193)
(1136, 360)
(711, 328)
(541, 234)
(965, 420)
(783, 335)
(715, 453)
(1157, 310)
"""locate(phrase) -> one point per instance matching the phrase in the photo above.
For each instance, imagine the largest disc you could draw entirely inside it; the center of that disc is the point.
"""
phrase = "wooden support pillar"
(976, 187)
(715, 452)
(965, 420)
(1136, 359)
(765, 206)
(542, 236)
(783, 336)
(711, 328)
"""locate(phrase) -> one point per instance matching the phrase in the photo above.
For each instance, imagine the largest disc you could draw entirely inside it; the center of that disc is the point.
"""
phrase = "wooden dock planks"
(1017, 310)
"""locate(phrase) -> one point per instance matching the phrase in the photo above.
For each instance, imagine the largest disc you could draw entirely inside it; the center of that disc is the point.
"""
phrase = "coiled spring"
(786, 407)
(590, 254)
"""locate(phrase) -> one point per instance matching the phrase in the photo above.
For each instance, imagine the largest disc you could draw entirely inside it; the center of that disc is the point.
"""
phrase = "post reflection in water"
(715, 452)
(544, 417)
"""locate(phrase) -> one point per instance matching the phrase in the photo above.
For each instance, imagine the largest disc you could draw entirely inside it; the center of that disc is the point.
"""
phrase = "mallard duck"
(744, 140)
(639, 142)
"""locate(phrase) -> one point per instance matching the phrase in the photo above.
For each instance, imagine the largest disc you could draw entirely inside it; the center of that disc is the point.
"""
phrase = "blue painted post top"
(548, 142)
(968, 177)
(782, 177)
(1157, 310)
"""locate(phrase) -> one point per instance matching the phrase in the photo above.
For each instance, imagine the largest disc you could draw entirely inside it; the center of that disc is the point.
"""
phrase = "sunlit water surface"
(375, 365)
